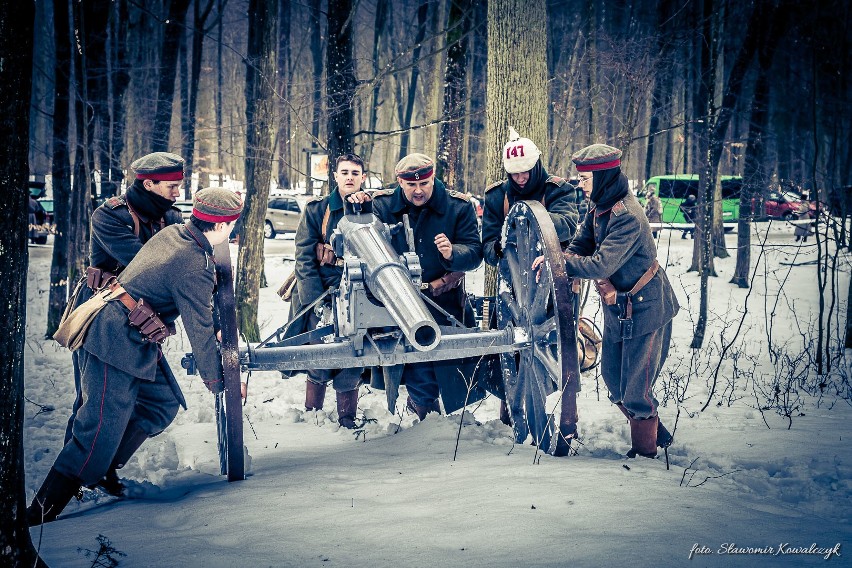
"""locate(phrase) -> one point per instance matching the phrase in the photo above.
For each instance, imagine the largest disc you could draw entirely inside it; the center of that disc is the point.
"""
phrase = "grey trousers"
(342, 380)
(630, 368)
(112, 402)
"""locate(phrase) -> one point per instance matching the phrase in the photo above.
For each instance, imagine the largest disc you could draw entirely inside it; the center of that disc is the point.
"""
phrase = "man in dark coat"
(614, 246)
(527, 180)
(317, 270)
(121, 380)
(120, 226)
(446, 238)
(688, 210)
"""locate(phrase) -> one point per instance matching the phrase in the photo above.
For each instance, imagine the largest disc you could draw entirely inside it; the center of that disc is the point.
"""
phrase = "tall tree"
(517, 92)
(340, 81)
(756, 175)
(411, 96)
(284, 137)
(199, 30)
(60, 166)
(260, 132)
(16, 53)
(174, 28)
(449, 158)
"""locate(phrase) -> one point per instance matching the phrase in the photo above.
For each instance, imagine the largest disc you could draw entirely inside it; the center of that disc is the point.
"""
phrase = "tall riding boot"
(133, 438)
(664, 437)
(567, 424)
(643, 437)
(54, 494)
(422, 411)
(314, 395)
(347, 405)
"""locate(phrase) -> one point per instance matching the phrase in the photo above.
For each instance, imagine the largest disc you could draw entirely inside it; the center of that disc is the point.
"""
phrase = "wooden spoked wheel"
(544, 310)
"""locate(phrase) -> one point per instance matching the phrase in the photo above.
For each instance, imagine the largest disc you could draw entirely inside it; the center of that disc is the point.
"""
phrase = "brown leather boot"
(54, 494)
(664, 437)
(314, 395)
(347, 406)
(643, 437)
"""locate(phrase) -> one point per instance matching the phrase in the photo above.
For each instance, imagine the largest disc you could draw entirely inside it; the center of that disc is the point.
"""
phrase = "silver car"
(282, 216)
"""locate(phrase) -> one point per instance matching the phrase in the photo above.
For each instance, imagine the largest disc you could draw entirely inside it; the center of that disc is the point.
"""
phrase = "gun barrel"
(389, 281)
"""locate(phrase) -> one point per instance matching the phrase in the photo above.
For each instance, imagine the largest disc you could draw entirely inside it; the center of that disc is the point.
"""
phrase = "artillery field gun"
(379, 318)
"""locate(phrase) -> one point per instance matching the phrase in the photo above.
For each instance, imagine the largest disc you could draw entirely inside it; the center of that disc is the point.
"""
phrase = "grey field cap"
(596, 157)
(159, 166)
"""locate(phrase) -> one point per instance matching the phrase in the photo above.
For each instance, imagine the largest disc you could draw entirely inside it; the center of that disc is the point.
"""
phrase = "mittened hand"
(325, 254)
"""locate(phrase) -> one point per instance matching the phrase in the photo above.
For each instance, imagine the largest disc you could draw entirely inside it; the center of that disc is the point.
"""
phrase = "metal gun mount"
(379, 318)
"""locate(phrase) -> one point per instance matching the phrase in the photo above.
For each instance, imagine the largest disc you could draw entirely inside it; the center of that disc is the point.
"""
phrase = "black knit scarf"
(608, 188)
(147, 203)
(533, 189)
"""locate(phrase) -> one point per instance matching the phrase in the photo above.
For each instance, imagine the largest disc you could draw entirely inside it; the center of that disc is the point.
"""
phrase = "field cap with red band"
(596, 157)
(159, 166)
(415, 167)
(216, 205)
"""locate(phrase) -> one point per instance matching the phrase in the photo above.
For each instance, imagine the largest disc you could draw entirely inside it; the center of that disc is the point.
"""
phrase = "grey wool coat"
(617, 244)
(175, 273)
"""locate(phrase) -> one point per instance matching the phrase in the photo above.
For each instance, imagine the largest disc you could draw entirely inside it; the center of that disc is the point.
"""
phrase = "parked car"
(41, 220)
(282, 216)
(185, 209)
(783, 205)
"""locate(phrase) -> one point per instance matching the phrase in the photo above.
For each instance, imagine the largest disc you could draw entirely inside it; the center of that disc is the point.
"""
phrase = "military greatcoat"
(558, 200)
(121, 380)
(617, 244)
(452, 214)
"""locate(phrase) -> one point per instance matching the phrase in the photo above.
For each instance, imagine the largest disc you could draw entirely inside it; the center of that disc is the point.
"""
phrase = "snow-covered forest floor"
(763, 467)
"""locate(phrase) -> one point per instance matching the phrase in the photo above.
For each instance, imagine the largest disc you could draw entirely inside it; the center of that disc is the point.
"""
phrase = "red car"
(784, 204)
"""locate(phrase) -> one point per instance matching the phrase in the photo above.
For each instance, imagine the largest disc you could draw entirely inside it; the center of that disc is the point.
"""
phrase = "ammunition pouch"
(606, 291)
(96, 278)
(142, 316)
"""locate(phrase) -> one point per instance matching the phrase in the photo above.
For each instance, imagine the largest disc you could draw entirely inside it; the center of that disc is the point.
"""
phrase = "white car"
(282, 216)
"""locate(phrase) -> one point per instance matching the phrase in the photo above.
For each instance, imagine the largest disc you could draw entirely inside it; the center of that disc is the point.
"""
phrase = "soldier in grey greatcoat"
(614, 244)
(119, 228)
(121, 379)
(317, 270)
(446, 239)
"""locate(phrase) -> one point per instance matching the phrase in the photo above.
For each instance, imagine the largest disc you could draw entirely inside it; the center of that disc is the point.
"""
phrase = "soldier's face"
(521, 179)
(418, 192)
(349, 178)
(586, 184)
(167, 189)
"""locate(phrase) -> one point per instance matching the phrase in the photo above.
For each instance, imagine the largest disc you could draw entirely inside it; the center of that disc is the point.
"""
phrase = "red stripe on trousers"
(100, 423)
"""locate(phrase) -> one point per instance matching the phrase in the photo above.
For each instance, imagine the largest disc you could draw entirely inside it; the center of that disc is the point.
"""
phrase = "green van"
(673, 189)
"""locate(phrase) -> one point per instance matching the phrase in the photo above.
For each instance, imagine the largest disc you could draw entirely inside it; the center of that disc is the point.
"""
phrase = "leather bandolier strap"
(141, 315)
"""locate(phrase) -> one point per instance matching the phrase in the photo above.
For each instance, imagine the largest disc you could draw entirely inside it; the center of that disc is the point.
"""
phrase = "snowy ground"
(393, 495)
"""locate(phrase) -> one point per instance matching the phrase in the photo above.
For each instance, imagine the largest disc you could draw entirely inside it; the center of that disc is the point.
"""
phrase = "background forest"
(155, 75)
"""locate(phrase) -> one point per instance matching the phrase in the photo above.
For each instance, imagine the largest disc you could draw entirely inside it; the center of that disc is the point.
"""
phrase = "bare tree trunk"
(61, 167)
(198, 32)
(340, 81)
(707, 175)
(658, 100)
(411, 95)
(516, 94)
(16, 53)
(119, 74)
(382, 7)
(449, 156)
(316, 57)
(220, 80)
(756, 175)
(284, 136)
(173, 30)
(260, 132)
(81, 189)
